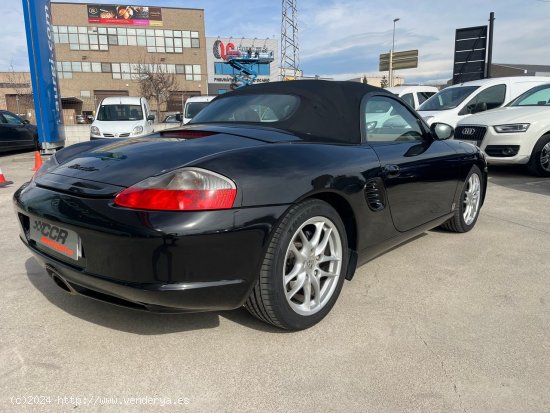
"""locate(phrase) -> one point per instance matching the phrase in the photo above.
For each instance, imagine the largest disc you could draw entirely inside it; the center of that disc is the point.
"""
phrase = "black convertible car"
(270, 199)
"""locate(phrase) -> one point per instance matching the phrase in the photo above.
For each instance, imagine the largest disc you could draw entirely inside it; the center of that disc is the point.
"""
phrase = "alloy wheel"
(472, 198)
(312, 265)
(545, 157)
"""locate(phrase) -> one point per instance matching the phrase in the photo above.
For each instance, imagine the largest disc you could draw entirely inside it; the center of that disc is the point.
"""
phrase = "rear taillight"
(188, 189)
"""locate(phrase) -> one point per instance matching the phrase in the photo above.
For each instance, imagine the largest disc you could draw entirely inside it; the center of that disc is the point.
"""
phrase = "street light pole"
(391, 53)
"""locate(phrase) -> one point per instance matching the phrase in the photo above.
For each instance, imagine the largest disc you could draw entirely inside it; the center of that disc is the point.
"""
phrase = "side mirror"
(25, 121)
(442, 131)
(179, 117)
(151, 117)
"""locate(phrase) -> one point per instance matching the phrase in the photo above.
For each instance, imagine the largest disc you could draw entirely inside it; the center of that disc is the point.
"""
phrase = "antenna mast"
(289, 41)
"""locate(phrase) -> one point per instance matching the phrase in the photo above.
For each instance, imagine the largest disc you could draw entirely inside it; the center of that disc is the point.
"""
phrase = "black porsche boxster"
(270, 199)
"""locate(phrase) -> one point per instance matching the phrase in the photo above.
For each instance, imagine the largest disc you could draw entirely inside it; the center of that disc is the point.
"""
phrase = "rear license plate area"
(55, 238)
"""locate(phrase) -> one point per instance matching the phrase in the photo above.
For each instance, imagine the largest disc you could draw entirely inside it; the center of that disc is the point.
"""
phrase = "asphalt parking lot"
(445, 323)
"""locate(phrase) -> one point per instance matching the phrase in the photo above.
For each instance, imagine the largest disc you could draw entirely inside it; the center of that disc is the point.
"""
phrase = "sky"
(343, 39)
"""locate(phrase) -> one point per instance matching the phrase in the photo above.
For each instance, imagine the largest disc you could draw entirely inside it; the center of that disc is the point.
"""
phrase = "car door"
(9, 139)
(420, 173)
(19, 134)
(490, 98)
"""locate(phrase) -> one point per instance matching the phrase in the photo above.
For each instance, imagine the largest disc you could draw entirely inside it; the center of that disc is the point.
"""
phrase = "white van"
(122, 117)
(413, 95)
(194, 105)
(458, 101)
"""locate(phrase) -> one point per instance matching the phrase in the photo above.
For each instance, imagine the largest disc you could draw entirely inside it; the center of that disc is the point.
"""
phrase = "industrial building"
(102, 48)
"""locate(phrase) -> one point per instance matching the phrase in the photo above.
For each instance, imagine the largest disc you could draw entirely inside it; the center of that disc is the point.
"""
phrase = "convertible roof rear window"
(266, 108)
(313, 110)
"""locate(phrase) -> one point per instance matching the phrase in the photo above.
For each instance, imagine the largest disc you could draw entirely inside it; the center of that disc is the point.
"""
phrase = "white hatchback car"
(413, 95)
(462, 100)
(122, 117)
(516, 134)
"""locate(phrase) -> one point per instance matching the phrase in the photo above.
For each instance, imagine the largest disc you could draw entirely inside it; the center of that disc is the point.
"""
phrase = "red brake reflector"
(176, 200)
(189, 134)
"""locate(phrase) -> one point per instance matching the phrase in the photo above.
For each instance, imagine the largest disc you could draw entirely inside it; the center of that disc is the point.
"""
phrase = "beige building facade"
(16, 93)
(101, 49)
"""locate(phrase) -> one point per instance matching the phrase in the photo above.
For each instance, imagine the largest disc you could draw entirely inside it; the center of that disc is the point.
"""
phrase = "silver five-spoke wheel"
(545, 157)
(312, 265)
(472, 198)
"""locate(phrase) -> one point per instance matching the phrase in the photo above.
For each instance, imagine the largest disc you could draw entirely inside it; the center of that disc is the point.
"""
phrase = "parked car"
(194, 105)
(516, 134)
(80, 119)
(232, 209)
(16, 133)
(414, 95)
(459, 101)
(122, 117)
(172, 118)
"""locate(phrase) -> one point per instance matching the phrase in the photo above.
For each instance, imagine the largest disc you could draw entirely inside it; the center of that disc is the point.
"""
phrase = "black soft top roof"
(329, 110)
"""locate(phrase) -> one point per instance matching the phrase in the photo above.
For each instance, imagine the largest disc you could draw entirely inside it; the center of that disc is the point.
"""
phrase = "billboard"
(407, 59)
(217, 49)
(470, 54)
(124, 14)
(45, 85)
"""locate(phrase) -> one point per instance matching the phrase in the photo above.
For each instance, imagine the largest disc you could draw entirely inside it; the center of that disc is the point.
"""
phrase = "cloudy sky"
(343, 38)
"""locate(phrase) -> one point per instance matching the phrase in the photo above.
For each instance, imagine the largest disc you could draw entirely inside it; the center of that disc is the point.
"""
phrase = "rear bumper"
(165, 261)
(157, 297)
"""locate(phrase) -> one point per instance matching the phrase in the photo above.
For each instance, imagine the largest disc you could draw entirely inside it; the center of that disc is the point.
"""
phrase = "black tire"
(535, 162)
(457, 223)
(268, 301)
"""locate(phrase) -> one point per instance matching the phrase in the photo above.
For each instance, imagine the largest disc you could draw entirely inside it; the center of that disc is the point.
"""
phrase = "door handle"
(391, 171)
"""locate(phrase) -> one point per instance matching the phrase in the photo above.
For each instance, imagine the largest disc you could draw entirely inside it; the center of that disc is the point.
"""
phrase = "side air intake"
(374, 194)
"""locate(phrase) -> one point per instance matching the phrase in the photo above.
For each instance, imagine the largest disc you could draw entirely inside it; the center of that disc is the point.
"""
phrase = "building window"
(106, 68)
(99, 38)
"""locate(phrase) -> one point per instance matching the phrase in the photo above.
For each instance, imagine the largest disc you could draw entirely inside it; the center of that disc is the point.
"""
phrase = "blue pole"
(45, 84)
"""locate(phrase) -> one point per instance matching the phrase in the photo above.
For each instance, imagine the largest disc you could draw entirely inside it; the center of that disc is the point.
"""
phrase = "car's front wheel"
(539, 163)
(303, 269)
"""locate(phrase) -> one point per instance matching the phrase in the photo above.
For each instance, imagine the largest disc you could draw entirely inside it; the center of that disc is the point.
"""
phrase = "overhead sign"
(45, 85)
(407, 59)
(124, 14)
(470, 54)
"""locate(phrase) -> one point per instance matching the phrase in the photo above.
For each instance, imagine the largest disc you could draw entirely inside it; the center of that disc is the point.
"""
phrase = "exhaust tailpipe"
(59, 280)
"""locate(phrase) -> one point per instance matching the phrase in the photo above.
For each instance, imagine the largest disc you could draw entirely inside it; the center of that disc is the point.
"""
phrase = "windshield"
(249, 108)
(448, 98)
(112, 113)
(537, 96)
(192, 109)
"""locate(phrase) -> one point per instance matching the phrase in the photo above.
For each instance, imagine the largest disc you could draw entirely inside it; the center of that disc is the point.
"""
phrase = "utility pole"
(490, 48)
(391, 52)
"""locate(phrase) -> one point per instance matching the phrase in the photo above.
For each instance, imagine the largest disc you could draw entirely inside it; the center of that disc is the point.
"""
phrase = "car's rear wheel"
(539, 163)
(467, 211)
(303, 269)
